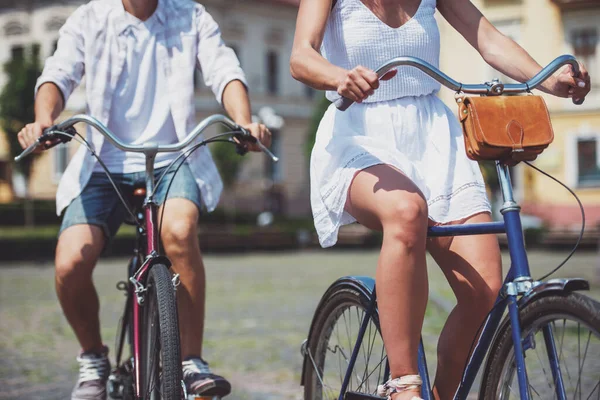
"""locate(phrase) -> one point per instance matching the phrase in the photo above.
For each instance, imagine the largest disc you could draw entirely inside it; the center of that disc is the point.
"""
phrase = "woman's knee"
(406, 220)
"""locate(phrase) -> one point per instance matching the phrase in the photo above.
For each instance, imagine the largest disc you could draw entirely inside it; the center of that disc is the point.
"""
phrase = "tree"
(17, 109)
(229, 164)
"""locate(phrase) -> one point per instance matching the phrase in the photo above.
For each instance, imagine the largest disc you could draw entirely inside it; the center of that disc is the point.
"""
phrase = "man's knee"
(180, 227)
(77, 252)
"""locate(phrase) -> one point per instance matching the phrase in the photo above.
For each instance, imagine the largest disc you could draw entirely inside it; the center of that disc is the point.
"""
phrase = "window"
(272, 72)
(61, 159)
(55, 23)
(17, 52)
(585, 42)
(15, 28)
(588, 168)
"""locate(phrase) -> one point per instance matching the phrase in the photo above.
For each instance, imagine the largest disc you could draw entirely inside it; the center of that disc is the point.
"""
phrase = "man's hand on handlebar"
(31, 132)
(260, 133)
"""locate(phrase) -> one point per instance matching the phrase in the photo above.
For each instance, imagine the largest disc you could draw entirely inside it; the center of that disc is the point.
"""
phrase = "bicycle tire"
(500, 372)
(330, 312)
(161, 366)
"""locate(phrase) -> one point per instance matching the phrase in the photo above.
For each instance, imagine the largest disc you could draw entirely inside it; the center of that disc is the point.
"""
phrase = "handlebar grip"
(343, 103)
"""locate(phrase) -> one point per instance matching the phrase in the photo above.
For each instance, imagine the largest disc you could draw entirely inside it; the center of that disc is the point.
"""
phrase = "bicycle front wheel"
(161, 363)
(570, 323)
(330, 345)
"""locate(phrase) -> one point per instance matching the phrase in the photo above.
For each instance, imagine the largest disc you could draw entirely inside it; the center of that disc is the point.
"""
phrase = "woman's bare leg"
(382, 198)
(473, 267)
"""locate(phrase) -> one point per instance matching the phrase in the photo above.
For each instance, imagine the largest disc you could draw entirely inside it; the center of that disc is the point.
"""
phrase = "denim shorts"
(98, 204)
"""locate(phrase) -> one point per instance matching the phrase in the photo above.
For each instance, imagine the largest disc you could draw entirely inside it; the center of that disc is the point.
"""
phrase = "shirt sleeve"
(218, 63)
(65, 68)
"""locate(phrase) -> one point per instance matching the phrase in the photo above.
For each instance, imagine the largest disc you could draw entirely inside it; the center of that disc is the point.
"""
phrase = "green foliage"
(318, 113)
(16, 99)
(227, 160)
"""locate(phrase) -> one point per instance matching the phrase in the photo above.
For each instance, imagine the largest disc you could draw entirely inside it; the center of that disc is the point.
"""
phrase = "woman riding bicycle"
(396, 162)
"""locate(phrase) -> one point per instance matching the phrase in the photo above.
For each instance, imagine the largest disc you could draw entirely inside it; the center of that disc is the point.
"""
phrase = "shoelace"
(194, 366)
(402, 384)
(91, 369)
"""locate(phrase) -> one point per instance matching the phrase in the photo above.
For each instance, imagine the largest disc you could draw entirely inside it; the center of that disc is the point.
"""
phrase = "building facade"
(546, 29)
(260, 32)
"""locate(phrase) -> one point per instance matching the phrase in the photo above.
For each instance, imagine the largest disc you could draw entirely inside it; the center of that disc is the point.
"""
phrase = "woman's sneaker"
(94, 369)
(199, 380)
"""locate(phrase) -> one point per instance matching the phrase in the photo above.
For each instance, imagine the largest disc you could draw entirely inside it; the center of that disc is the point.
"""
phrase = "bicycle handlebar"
(147, 148)
(490, 88)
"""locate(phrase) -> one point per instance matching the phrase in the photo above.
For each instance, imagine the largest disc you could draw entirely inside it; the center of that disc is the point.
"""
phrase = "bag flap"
(510, 121)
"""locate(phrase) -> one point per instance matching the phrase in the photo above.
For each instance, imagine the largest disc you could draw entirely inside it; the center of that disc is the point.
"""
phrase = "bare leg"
(382, 198)
(473, 267)
(77, 252)
(180, 239)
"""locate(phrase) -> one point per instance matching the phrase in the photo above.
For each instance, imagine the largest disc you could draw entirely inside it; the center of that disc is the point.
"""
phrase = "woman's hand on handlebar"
(568, 84)
(261, 133)
(31, 132)
(359, 83)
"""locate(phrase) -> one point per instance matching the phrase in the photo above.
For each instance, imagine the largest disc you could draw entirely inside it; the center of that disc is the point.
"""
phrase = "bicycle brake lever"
(268, 152)
(247, 137)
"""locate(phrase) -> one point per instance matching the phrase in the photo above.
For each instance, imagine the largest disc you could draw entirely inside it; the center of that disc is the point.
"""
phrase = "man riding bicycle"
(139, 57)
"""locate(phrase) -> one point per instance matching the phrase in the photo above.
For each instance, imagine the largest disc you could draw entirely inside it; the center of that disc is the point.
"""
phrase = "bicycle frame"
(517, 282)
(146, 249)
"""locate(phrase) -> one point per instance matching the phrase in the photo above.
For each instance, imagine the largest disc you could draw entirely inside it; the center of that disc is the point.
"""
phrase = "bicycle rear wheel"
(161, 363)
(330, 346)
(572, 321)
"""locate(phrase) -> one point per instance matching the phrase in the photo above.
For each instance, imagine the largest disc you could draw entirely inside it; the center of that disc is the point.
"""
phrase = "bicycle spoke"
(581, 366)
(594, 390)
(566, 364)
(367, 358)
(366, 378)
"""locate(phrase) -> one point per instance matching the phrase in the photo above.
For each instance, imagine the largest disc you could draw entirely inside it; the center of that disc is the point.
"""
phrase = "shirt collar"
(122, 23)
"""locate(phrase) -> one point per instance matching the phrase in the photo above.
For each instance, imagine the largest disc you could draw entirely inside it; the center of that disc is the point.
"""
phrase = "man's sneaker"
(199, 380)
(93, 373)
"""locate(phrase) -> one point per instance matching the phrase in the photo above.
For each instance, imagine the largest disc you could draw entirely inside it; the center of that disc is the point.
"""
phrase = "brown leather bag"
(506, 128)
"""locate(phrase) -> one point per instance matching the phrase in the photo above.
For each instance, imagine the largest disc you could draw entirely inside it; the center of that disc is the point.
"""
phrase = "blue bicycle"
(547, 347)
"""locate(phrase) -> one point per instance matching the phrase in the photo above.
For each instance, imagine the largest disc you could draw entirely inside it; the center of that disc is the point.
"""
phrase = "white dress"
(403, 123)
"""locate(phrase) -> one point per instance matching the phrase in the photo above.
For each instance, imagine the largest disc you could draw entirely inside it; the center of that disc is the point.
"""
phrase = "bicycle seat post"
(514, 231)
(150, 151)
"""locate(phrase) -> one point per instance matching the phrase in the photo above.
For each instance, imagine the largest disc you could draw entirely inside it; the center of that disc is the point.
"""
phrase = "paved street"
(259, 311)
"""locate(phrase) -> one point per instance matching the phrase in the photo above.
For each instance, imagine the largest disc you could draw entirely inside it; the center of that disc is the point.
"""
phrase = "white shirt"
(140, 111)
(93, 42)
